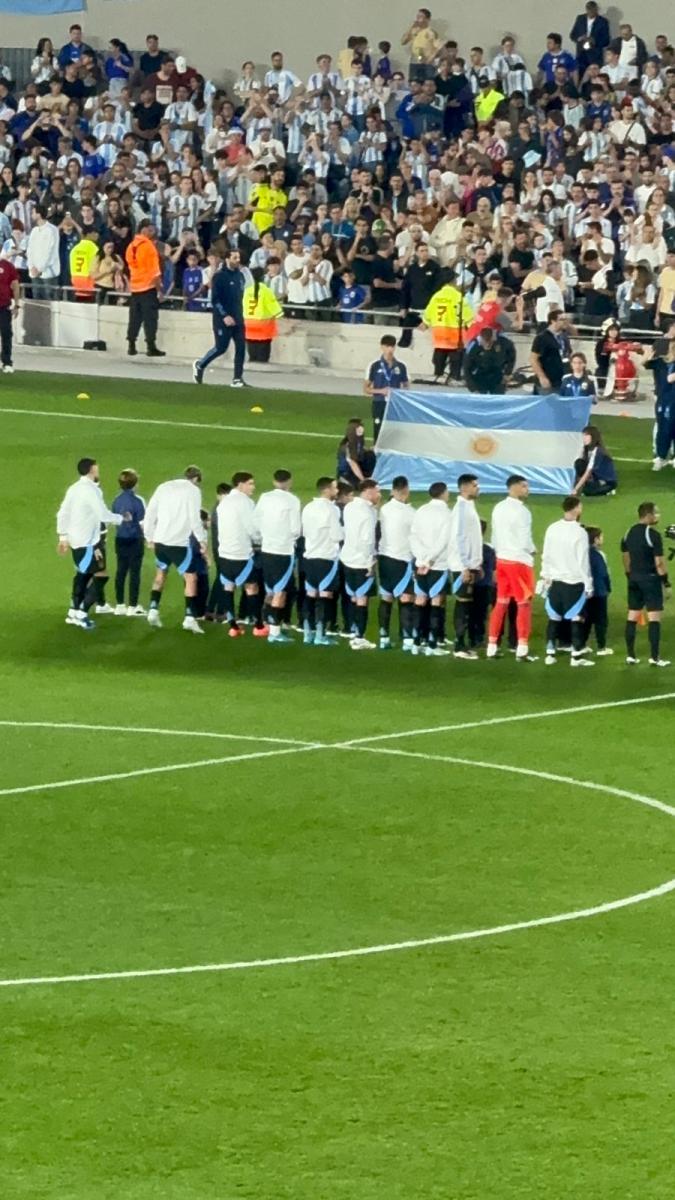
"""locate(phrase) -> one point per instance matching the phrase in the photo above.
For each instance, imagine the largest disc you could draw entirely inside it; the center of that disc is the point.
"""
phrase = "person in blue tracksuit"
(227, 299)
(595, 611)
(661, 361)
(578, 382)
(129, 544)
(595, 472)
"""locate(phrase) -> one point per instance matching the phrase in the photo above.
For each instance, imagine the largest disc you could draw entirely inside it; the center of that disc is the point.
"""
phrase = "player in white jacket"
(429, 542)
(278, 517)
(78, 523)
(174, 529)
(566, 572)
(466, 559)
(238, 537)
(323, 535)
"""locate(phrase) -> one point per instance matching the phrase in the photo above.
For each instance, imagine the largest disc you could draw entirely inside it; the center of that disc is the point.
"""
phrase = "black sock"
(384, 617)
(155, 597)
(330, 612)
(654, 630)
(435, 625)
(406, 616)
(310, 608)
(321, 607)
(79, 590)
(461, 623)
(421, 623)
(99, 588)
(551, 634)
(189, 606)
(578, 636)
(361, 619)
(631, 630)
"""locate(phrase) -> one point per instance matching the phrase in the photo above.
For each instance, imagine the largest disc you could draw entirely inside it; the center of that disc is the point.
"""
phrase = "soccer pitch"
(286, 923)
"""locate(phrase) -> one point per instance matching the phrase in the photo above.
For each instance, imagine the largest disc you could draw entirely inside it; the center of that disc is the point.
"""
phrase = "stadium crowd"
(359, 188)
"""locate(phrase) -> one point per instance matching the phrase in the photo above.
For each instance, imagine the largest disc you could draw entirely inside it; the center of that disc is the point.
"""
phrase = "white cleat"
(523, 655)
(659, 464)
(120, 610)
(659, 662)
(154, 618)
(604, 653)
(436, 652)
(8, 370)
(359, 643)
(470, 654)
(550, 660)
(578, 661)
(631, 661)
(191, 624)
(104, 610)
(135, 610)
(407, 645)
(75, 616)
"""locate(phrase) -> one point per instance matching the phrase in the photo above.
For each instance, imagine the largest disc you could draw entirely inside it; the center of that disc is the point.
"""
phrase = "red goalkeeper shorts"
(515, 581)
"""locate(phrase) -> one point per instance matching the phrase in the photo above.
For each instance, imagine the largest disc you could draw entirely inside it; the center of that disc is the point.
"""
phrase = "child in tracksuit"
(129, 545)
(483, 595)
(595, 611)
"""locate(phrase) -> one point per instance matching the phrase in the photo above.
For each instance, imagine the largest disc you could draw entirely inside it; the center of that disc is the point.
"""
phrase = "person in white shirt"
(514, 552)
(465, 558)
(238, 537)
(429, 542)
(44, 264)
(295, 263)
(278, 518)
(174, 529)
(394, 563)
(323, 535)
(78, 525)
(183, 117)
(567, 580)
(358, 557)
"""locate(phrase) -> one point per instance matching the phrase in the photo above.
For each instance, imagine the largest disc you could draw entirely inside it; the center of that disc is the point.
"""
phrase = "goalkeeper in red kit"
(514, 549)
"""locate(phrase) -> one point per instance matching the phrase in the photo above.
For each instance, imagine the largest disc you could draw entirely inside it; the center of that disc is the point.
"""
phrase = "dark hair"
(128, 479)
(364, 485)
(84, 465)
(466, 478)
(398, 483)
(570, 503)
(437, 490)
(388, 340)
(514, 479)
(143, 224)
(344, 488)
(323, 482)
(222, 489)
(646, 509)
(193, 474)
(554, 37)
(351, 438)
(282, 476)
(241, 477)
(385, 47)
(554, 314)
(595, 435)
(593, 532)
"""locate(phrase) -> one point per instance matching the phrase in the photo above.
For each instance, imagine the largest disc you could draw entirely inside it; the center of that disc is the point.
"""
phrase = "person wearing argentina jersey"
(466, 559)
(78, 525)
(395, 564)
(385, 373)
(429, 541)
(323, 534)
(237, 534)
(277, 516)
(567, 580)
(172, 517)
(358, 557)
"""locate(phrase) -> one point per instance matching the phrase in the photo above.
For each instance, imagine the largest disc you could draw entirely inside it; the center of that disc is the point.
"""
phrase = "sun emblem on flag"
(484, 445)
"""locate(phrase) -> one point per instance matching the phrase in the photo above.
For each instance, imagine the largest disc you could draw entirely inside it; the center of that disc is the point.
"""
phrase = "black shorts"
(565, 601)
(645, 593)
(434, 583)
(463, 590)
(395, 576)
(277, 572)
(88, 559)
(179, 557)
(235, 572)
(358, 582)
(321, 575)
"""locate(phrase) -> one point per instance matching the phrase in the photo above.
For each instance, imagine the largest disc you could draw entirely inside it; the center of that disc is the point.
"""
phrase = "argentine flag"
(429, 436)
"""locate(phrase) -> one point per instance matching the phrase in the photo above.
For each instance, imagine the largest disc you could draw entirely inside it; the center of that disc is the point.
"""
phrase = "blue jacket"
(129, 531)
(489, 566)
(227, 295)
(602, 584)
(571, 386)
(603, 467)
(665, 392)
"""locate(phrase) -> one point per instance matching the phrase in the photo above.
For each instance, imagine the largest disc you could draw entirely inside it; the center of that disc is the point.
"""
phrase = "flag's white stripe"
(453, 443)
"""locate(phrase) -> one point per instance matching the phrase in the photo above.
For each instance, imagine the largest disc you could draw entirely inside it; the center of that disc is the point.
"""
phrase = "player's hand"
(422, 569)
(466, 575)
(229, 321)
(62, 547)
(127, 517)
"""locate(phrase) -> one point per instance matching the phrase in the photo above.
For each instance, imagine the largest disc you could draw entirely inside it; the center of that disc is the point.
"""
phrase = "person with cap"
(145, 283)
(488, 101)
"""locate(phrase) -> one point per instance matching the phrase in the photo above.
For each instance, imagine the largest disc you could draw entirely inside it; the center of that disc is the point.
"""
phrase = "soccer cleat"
(659, 662)
(191, 625)
(237, 383)
(436, 652)
(120, 610)
(153, 352)
(8, 369)
(154, 618)
(276, 639)
(263, 631)
(359, 643)
(470, 654)
(604, 653)
(631, 661)
(104, 609)
(659, 464)
(86, 623)
(236, 632)
(75, 616)
(309, 637)
(135, 610)
(407, 645)
(523, 655)
(197, 372)
(549, 661)
(491, 651)
(578, 661)
(324, 640)
(384, 643)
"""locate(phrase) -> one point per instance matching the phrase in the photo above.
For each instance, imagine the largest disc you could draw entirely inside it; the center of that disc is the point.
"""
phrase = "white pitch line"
(193, 733)
(357, 952)
(487, 721)
(163, 770)
(249, 429)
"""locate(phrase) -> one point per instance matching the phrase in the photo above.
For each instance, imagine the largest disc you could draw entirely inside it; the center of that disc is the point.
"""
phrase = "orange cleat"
(262, 632)
(235, 633)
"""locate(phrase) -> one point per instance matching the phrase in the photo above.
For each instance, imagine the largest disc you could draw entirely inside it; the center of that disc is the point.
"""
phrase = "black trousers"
(143, 314)
(450, 361)
(259, 351)
(595, 615)
(379, 408)
(129, 562)
(223, 335)
(6, 337)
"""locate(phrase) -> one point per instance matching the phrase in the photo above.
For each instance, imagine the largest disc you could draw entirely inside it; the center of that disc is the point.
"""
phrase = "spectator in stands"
(74, 49)
(424, 44)
(590, 33)
(152, 58)
(44, 64)
(108, 273)
(118, 66)
(44, 264)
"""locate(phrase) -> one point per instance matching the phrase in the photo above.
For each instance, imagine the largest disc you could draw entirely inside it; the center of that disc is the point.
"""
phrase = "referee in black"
(648, 581)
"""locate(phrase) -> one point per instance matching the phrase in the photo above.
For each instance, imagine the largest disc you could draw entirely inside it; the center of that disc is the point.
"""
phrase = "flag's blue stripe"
(422, 472)
(41, 8)
(544, 414)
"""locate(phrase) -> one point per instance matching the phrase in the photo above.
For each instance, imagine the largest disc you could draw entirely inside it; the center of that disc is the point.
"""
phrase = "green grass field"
(532, 1058)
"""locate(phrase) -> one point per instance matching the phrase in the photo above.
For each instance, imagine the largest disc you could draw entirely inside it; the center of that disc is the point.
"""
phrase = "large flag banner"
(41, 8)
(429, 436)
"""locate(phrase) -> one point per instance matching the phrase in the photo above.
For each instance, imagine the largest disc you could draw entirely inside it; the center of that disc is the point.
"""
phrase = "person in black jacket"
(227, 296)
(590, 33)
(488, 363)
(421, 280)
(640, 55)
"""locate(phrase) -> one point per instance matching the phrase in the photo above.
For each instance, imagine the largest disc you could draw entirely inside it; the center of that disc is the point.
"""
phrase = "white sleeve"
(417, 543)
(584, 558)
(196, 517)
(63, 515)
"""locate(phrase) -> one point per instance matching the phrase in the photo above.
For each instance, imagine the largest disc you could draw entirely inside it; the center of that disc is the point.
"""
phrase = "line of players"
(345, 543)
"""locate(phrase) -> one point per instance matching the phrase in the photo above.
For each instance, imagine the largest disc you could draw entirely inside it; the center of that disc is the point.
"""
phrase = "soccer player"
(566, 572)
(385, 373)
(277, 516)
(466, 560)
(78, 525)
(172, 517)
(358, 557)
(645, 568)
(238, 533)
(323, 534)
(227, 299)
(429, 542)
(395, 564)
(514, 548)
(129, 545)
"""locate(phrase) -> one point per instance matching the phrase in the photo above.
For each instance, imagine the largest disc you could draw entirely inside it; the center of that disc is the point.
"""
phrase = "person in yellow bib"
(81, 262)
(261, 309)
(448, 315)
(266, 194)
(488, 100)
